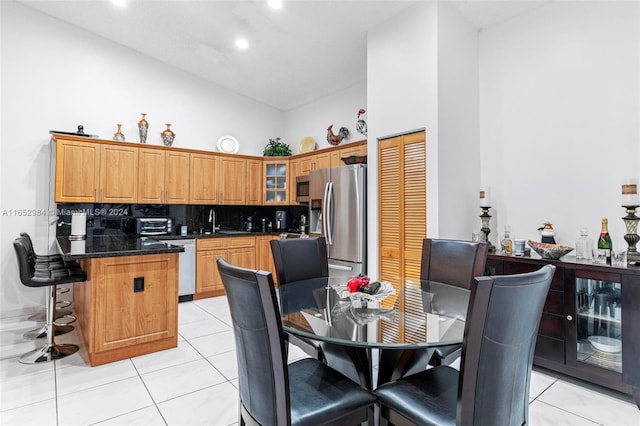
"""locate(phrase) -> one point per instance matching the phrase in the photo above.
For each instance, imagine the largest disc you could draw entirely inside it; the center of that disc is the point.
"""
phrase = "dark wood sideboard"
(590, 311)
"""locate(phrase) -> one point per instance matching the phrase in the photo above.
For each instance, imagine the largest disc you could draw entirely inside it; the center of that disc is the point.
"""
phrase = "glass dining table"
(395, 330)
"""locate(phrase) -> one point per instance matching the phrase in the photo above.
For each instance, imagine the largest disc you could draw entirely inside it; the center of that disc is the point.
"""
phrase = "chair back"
(300, 259)
(497, 352)
(260, 351)
(26, 261)
(452, 261)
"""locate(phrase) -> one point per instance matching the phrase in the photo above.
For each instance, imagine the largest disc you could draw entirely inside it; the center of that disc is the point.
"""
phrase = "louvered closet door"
(402, 198)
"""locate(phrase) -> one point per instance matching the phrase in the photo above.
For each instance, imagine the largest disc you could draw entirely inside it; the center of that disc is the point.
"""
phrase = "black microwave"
(302, 189)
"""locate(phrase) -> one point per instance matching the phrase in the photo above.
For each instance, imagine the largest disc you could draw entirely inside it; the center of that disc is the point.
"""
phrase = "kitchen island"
(129, 304)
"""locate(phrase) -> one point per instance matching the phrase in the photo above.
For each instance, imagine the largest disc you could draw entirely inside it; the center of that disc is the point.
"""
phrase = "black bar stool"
(35, 275)
(46, 262)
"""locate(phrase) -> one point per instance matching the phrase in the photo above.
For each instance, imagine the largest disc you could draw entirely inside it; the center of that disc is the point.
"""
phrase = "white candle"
(630, 193)
(485, 200)
(79, 224)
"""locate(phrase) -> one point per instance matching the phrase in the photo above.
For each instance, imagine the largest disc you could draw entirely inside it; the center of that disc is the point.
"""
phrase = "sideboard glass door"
(599, 323)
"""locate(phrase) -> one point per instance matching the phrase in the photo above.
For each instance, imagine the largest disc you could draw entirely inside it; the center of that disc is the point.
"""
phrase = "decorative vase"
(143, 126)
(167, 135)
(118, 135)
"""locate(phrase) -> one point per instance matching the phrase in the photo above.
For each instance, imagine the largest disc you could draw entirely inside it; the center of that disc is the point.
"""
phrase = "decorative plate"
(228, 144)
(606, 344)
(307, 144)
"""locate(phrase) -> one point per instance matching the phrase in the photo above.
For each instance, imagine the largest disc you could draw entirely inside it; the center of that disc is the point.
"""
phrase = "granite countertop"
(112, 246)
(218, 234)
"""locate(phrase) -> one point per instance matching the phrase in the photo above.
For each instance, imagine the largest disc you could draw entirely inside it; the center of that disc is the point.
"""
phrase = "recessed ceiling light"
(275, 4)
(119, 3)
(242, 44)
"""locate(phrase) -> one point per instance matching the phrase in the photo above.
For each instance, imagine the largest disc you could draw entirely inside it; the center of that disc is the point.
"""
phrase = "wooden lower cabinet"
(264, 256)
(239, 251)
(128, 306)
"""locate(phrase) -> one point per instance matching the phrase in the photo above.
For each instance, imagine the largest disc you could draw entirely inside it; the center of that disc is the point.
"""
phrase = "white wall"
(56, 76)
(559, 109)
(402, 95)
(458, 127)
(340, 109)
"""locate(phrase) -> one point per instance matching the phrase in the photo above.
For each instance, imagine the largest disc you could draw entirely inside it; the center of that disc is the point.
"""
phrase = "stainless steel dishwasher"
(187, 269)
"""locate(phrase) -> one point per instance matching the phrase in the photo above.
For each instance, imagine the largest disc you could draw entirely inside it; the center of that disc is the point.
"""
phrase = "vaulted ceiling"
(296, 54)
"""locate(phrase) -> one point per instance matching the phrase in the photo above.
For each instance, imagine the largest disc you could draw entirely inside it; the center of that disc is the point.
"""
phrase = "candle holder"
(631, 237)
(485, 217)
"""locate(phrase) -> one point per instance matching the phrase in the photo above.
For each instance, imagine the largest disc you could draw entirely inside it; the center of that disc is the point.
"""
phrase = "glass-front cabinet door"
(276, 180)
(599, 322)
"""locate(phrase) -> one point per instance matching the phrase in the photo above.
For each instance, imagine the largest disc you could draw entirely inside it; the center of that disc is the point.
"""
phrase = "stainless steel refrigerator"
(337, 210)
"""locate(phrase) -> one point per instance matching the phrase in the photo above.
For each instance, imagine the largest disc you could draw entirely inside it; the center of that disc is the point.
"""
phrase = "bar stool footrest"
(48, 353)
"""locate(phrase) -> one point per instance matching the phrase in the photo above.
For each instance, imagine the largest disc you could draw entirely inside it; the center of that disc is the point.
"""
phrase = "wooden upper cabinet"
(176, 177)
(118, 174)
(232, 184)
(347, 151)
(203, 174)
(151, 176)
(163, 177)
(254, 182)
(321, 161)
(77, 171)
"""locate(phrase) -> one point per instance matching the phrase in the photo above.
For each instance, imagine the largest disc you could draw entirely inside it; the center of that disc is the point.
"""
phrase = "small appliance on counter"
(281, 221)
(248, 224)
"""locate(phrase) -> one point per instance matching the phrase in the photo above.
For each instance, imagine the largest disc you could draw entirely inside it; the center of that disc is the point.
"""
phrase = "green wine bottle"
(604, 242)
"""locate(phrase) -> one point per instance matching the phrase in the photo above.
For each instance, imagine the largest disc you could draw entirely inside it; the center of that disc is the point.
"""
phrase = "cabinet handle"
(569, 318)
(166, 196)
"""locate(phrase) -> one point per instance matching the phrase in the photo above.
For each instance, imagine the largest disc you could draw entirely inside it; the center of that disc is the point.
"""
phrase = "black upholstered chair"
(452, 262)
(492, 386)
(298, 259)
(272, 392)
(46, 262)
(48, 278)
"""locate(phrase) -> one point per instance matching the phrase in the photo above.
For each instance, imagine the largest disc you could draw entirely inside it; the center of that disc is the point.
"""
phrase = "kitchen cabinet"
(590, 325)
(88, 172)
(354, 148)
(254, 182)
(203, 175)
(239, 251)
(402, 210)
(163, 176)
(119, 320)
(232, 181)
(77, 175)
(264, 257)
(276, 182)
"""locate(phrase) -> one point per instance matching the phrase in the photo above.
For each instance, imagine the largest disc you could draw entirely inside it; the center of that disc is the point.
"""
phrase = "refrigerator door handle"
(340, 267)
(326, 215)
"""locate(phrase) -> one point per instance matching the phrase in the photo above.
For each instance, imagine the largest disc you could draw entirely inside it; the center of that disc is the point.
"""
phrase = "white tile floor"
(196, 383)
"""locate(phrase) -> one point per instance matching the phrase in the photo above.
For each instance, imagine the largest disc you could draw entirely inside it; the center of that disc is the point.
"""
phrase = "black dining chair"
(452, 262)
(492, 386)
(272, 392)
(299, 259)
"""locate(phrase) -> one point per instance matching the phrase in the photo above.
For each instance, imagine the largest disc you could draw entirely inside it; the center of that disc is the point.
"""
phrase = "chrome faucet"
(212, 220)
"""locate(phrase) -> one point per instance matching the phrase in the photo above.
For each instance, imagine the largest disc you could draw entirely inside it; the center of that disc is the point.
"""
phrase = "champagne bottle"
(604, 242)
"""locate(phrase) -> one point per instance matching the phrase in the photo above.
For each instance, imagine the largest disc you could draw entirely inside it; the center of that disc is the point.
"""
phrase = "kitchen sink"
(231, 232)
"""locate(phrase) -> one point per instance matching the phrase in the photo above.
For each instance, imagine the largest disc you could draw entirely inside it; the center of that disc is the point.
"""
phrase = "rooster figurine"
(361, 125)
(336, 139)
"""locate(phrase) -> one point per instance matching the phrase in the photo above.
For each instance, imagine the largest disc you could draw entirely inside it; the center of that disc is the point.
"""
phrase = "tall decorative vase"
(118, 135)
(143, 126)
(167, 135)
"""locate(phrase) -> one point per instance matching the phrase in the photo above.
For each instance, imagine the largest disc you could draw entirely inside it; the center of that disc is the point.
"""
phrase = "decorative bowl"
(355, 159)
(549, 251)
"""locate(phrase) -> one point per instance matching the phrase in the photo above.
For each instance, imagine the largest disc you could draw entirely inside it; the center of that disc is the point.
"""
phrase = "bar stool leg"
(50, 351)
(41, 332)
